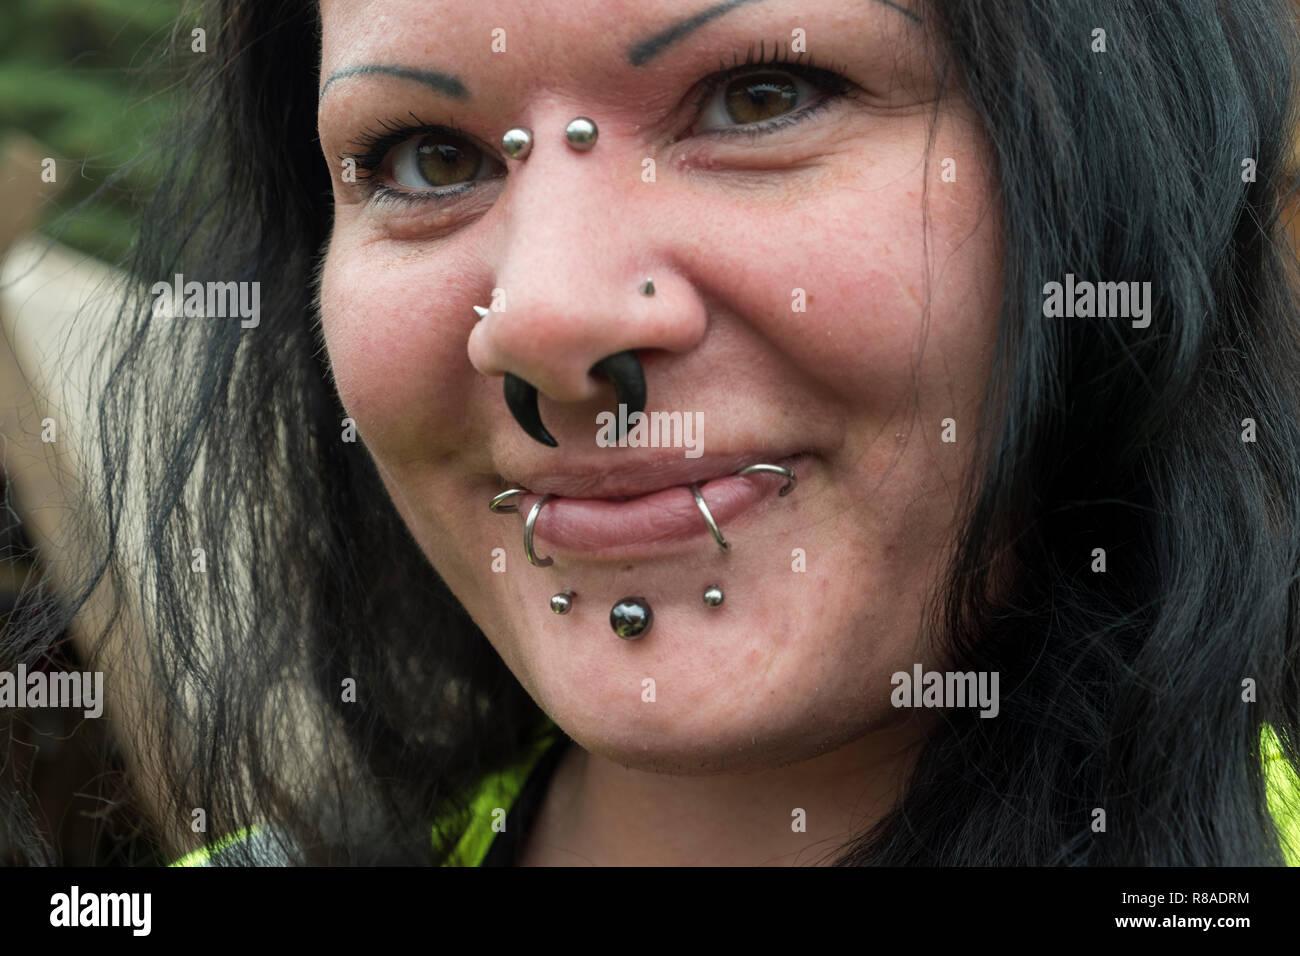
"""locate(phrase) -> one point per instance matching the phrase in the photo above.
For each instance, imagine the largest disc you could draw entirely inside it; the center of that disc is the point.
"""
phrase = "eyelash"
(374, 145)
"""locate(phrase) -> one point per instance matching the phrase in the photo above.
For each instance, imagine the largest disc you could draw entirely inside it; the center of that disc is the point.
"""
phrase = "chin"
(711, 713)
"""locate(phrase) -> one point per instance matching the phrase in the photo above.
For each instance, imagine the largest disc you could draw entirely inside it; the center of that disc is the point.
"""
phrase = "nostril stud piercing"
(481, 312)
(648, 288)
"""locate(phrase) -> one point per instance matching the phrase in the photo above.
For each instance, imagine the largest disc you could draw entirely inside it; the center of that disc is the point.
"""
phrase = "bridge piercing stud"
(581, 133)
(517, 142)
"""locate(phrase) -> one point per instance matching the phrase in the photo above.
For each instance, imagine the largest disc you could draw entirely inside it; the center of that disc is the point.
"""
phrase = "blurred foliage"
(95, 82)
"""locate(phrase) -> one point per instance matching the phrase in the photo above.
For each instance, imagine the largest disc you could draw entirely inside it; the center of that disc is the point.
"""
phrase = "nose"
(571, 315)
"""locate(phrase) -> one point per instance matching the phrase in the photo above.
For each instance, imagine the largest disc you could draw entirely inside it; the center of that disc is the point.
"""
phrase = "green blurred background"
(94, 81)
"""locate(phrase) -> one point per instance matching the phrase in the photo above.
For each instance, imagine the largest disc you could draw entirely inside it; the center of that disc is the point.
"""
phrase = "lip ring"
(708, 518)
(497, 507)
(786, 473)
(528, 534)
(500, 505)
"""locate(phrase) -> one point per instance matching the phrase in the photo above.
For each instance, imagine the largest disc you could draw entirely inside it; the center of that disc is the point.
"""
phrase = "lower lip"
(596, 524)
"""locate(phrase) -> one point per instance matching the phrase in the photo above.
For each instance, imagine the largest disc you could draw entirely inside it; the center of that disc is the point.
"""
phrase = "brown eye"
(759, 97)
(436, 160)
(757, 100)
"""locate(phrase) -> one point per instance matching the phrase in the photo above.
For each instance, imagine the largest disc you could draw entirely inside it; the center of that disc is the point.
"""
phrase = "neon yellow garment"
(499, 791)
(1283, 795)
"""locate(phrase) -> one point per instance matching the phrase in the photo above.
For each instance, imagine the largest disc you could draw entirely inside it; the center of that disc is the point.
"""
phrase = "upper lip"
(600, 480)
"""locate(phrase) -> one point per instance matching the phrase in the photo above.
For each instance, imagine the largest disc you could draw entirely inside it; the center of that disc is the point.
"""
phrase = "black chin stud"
(631, 618)
(622, 369)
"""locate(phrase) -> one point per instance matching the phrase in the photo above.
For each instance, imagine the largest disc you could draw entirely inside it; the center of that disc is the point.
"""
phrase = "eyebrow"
(640, 54)
(443, 83)
(652, 46)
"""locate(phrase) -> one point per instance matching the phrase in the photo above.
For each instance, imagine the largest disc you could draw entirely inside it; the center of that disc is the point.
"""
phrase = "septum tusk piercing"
(533, 559)
(622, 369)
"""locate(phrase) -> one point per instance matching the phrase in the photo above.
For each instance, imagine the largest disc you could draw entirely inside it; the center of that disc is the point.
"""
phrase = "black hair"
(1120, 690)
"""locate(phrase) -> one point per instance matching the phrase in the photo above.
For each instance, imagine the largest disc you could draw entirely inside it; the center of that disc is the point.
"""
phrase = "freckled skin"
(783, 691)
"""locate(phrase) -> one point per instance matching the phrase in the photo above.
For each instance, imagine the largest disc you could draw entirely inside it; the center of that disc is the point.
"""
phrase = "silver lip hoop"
(631, 481)
(708, 518)
(497, 505)
(533, 512)
(500, 505)
(786, 473)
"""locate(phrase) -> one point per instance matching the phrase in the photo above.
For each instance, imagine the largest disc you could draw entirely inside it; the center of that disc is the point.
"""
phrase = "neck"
(597, 812)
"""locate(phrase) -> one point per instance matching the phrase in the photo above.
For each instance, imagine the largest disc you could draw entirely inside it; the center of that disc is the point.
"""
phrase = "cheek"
(877, 279)
(397, 350)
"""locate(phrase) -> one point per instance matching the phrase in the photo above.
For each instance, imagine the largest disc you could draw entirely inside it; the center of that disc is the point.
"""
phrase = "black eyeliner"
(375, 145)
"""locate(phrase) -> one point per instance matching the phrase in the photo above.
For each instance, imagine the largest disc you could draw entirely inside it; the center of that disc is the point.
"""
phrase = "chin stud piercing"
(562, 602)
(581, 133)
(648, 287)
(631, 618)
(518, 142)
(713, 596)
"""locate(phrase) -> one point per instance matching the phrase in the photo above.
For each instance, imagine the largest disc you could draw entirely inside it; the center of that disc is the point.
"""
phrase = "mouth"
(623, 511)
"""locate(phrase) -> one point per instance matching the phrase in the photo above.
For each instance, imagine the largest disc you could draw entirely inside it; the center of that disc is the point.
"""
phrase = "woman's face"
(792, 272)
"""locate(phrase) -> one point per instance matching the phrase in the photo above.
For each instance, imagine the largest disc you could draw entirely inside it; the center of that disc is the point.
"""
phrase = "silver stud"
(581, 133)
(481, 312)
(517, 142)
(631, 618)
(713, 596)
(562, 602)
(648, 288)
